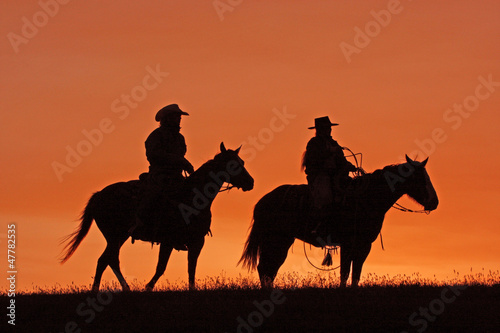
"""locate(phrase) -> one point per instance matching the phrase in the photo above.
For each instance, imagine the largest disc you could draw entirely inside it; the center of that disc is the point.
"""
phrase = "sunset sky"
(81, 82)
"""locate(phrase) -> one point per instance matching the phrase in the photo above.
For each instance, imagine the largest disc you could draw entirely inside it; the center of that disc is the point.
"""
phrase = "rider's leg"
(147, 207)
(322, 201)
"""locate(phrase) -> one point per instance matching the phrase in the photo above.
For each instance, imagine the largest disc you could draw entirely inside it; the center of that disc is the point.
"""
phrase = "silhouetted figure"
(114, 210)
(280, 217)
(326, 168)
(165, 151)
(166, 148)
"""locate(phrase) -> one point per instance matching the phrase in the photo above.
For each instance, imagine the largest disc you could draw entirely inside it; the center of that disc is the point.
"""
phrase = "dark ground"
(367, 309)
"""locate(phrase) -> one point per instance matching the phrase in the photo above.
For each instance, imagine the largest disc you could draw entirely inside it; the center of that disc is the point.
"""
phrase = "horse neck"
(383, 192)
(204, 185)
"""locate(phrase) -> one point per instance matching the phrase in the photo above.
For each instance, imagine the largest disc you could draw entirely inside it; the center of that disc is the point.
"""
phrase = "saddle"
(162, 221)
(328, 225)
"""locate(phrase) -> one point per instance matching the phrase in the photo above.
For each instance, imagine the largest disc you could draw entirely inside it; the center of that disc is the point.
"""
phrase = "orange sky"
(69, 69)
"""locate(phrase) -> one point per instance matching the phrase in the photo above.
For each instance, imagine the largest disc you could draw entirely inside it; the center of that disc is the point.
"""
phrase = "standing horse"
(282, 215)
(114, 210)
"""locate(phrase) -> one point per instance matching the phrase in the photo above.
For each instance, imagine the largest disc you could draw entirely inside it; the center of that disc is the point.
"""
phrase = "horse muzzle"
(247, 187)
(431, 204)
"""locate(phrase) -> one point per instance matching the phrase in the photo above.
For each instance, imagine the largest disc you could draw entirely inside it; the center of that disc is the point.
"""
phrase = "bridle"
(226, 188)
(359, 172)
(222, 189)
(407, 210)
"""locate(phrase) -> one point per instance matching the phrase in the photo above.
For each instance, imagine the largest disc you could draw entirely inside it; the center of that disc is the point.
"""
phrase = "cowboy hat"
(172, 108)
(321, 122)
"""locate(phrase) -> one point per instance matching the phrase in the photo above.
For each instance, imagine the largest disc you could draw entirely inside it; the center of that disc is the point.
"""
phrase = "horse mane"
(194, 177)
(379, 172)
(208, 164)
(375, 176)
(387, 168)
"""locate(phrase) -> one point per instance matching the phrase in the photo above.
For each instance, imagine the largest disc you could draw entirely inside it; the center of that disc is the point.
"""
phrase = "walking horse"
(282, 215)
(114, 210)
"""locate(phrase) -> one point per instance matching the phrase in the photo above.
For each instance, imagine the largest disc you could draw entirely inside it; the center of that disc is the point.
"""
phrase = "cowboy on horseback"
(327, 170)
(166, 147)
(165, 151)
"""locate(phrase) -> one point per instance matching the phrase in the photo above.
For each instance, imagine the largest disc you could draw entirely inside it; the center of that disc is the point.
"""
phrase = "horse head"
(419, 184)
(232, 169)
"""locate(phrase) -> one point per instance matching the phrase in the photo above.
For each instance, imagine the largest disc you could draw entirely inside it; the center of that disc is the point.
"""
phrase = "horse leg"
(115, 266)
(102, 263)
(163, 256)
(345, 263)
(359, 258)
(110, 257)
(274, 251)
(194, 250)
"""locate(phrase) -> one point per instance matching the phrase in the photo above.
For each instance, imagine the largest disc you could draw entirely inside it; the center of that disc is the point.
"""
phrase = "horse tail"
(251, 252)
(74, 239)
(253, 244)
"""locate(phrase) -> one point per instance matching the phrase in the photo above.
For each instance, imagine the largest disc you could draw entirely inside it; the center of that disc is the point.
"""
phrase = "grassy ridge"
(301, 304)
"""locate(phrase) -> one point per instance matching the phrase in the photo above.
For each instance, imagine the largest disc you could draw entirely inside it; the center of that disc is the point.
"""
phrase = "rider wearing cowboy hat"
(326, 168)
(166, 147)
(165, 151)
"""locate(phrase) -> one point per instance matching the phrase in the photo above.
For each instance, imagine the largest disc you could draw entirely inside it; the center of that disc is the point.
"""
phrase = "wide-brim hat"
(322, 122)
(172, 108)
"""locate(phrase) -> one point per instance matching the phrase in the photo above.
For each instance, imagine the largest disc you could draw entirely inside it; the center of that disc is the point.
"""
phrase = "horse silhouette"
(114, 211)
(281, 216)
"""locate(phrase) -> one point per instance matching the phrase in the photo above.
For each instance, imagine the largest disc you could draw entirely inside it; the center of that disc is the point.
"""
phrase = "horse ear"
(408, 159)
(222, 147)
(424, 162)
(238, 150)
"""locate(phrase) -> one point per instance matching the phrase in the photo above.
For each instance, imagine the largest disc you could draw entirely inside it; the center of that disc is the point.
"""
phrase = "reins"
(327, 261)
(227, 188)
(407, 210)
(223, 189)
(396, 205)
